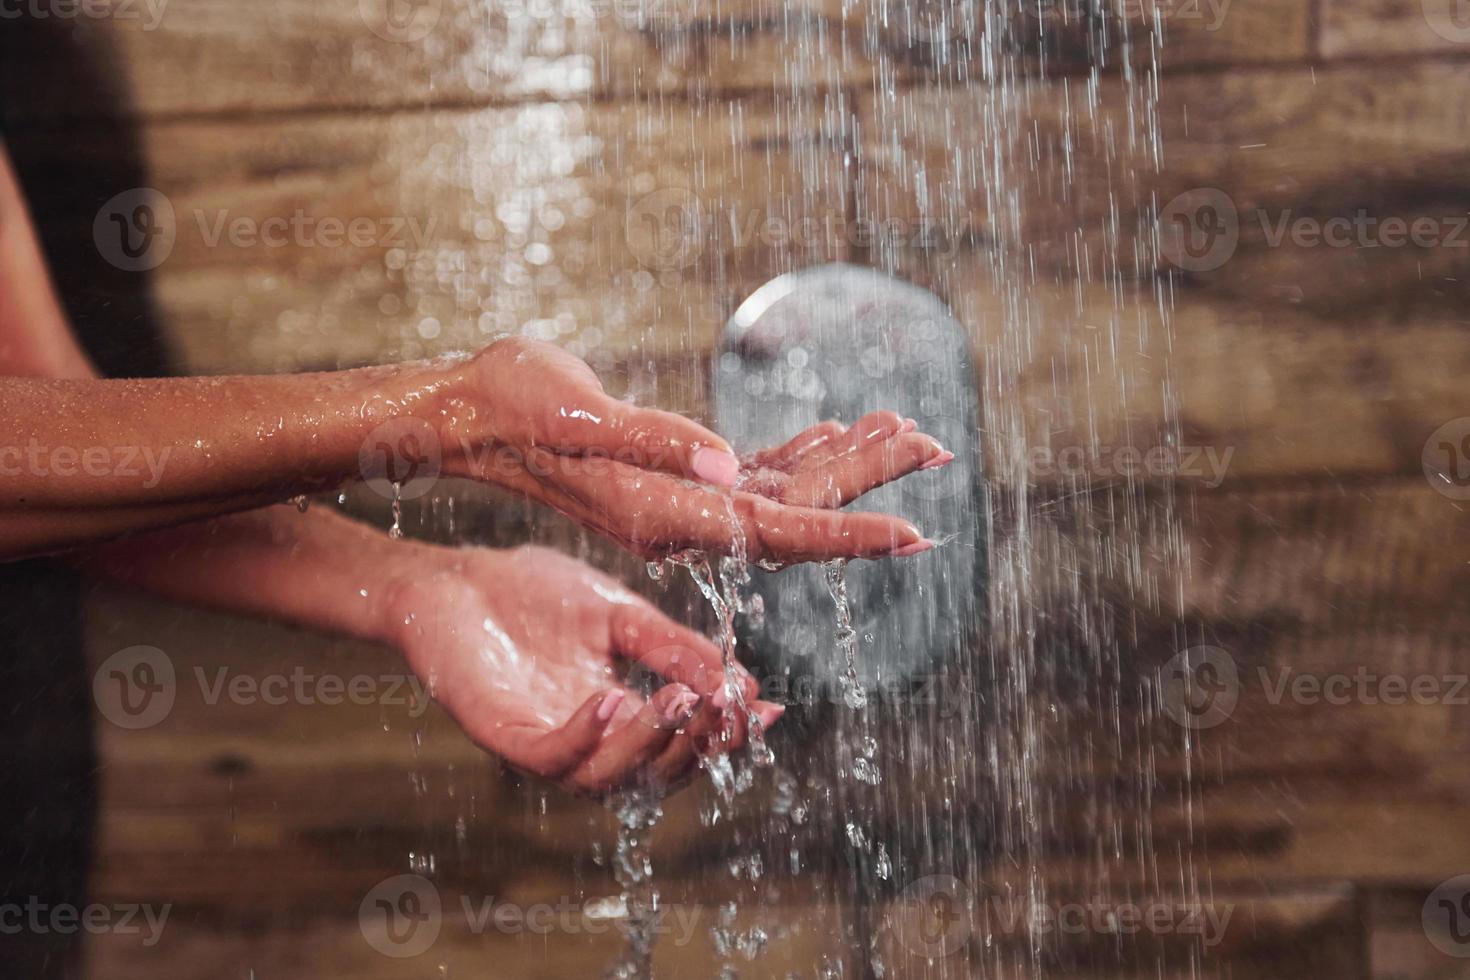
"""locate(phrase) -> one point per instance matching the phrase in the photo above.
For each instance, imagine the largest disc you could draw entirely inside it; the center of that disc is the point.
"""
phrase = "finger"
(675, 764)
(845, 478)
(783, 533)
(644, 634)
(627, 750)
(655, 516)
(720, 728)
(735, 726)
(648, 439)
(767, 713)
(871, 428)
(679, 762)
(557, 752)
(804, 442)
(681, 757)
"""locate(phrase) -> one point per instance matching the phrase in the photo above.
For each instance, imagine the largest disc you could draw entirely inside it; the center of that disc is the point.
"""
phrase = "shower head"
(836, 342)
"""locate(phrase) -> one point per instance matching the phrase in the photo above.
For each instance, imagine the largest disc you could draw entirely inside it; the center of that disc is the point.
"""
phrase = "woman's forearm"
(34, 338)
(318, 570)
(87, 460)
(86, 444)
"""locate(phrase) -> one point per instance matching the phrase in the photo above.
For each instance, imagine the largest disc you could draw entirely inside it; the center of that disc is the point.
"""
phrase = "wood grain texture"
(295, 804)
(630, 236)
(498, 159)
(603, 227)
(1082, 179)
(196, 57)
(1377, 28)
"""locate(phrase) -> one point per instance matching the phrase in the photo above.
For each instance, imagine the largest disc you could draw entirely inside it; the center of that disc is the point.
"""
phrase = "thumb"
(558, 752)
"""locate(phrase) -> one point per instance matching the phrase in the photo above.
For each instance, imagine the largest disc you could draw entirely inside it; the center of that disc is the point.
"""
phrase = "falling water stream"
(1025, 766)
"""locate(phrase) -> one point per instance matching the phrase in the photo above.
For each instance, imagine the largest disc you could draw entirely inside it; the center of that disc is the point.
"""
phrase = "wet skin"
(524, 648)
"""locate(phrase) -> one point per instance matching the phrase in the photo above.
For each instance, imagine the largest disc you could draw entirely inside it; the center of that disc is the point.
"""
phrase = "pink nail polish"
(681, 707)
(609, 705)
(714, 466)
(943, 459)
(770, 715)
(909, 550)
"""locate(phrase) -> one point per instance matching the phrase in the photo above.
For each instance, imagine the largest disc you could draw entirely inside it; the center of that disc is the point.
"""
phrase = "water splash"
(637, 812)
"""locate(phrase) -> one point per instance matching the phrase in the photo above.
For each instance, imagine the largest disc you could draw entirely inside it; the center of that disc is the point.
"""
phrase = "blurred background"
(1212, 257)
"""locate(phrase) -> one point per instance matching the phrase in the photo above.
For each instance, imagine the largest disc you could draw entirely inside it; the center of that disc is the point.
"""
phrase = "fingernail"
(714, 466)
(609, 704)
(770, 714)
(721, 698)
(909, 425)
(681, 707)
(943, 459)
(909, 550)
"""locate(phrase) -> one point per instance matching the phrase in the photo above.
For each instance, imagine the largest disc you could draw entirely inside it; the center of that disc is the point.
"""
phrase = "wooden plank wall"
(498, 150)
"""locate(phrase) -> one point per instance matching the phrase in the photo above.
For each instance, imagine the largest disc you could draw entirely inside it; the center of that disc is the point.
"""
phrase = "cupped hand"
(643, 477)
(538, 657)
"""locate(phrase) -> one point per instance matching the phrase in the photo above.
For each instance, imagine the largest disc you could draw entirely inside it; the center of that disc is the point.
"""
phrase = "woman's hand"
(528, 395)
(530, 652)
(544, 428)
